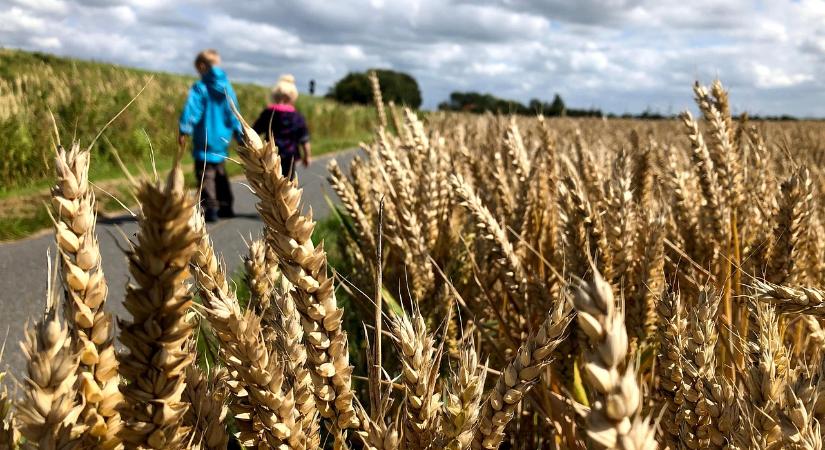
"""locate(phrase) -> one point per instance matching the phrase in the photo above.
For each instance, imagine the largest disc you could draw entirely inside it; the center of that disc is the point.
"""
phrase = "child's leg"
(224, 191)
(205, 173)
(288, 165)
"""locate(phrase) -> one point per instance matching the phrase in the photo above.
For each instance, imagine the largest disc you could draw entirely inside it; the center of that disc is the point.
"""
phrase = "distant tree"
(557, 107)
(398, 87)
(553, 109)
(479, 103)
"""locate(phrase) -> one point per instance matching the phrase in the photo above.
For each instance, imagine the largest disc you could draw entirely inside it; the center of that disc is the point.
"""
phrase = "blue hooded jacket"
(208, 118)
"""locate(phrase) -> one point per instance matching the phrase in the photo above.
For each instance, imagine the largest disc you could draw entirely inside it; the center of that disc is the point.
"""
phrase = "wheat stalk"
(791, 233)
(518, 377)
(671, 330)
(804, 300)
(48, 412)
(9, 434)
(156, 335)
(261, 266)
(698, 366)
(420, 360)
(614, 420)
(290, 340)
(304, 265)
(263, 403)
(207, 395)
(462, 399)
(493, 232)
(85, 292)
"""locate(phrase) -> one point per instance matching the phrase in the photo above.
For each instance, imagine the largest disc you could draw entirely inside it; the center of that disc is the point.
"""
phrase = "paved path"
(23, 263)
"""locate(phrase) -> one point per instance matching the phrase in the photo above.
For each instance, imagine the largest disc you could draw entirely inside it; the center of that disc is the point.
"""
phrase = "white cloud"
(123, 14)
(588, 61)
(619, 55)
(776, 77)
(492, 69)
(48, 43)
(16, 21)
(44, 6)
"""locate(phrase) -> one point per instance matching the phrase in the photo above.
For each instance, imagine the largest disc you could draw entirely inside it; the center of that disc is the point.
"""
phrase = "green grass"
(83, 96)
(15, 227)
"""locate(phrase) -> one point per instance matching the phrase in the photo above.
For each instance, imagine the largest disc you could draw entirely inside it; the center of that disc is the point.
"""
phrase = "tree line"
(478, 103)
(402, 89)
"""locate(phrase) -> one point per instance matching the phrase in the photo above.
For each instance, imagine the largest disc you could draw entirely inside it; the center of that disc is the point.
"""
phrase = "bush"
(398, 87)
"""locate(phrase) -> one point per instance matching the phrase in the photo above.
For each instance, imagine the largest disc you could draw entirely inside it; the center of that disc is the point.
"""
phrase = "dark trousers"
(288, 165)
(215, 193)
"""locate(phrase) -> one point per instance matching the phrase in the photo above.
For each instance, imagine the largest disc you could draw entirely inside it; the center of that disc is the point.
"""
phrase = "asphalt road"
(23, 273)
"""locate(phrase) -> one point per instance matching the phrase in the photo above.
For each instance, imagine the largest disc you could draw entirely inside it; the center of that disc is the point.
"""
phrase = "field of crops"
(511, 283)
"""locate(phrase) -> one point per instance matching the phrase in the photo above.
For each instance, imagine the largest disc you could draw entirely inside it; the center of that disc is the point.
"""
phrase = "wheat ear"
(346, 192)
(85, 292)
(207, 395)
(289, 234)
(584, 236)
(713, 223)
(9, 434)
(48, 411)
(671, 331)
(377, 98)
(420, 361)
(698, 366)
(282, 327)
(493, 232)
(158, 331)
(621, 223)
(791, 236)
(721, 149)
(377, 434)
(261, 266)
(800, 430)
(410, 232)
(767, 372)
(290, 341)
(273, 418)
(804, 300)
(262, 402)
(649, 272)
(518, 377)
(614, 420)
(462, 399)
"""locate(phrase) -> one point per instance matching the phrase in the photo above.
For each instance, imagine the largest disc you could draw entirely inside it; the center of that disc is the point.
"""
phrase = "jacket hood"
(216, 81)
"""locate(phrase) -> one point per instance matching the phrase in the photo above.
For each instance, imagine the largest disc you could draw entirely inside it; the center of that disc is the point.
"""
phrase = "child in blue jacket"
(208, 118)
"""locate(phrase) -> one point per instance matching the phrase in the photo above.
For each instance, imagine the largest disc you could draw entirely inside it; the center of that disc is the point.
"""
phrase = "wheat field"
(518, 282)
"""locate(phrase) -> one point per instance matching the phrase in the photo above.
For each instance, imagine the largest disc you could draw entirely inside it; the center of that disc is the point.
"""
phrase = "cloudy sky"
(618, 55)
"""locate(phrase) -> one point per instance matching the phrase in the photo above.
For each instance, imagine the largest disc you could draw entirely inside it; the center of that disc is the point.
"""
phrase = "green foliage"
(83, 96)
(478, 103)
(554, 109)
(475, 102)
(398, 87)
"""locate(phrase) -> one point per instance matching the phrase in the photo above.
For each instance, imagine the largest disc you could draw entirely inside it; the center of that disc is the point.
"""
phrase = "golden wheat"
(696, 305)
